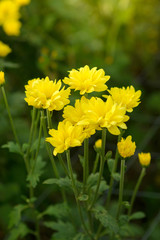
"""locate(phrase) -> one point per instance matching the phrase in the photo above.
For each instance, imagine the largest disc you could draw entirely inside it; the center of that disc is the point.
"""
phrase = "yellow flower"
(9, 10)
(67, 135)
(4, 49)
(87, 80)
(126, 147)
(144, 159)
(12, 27)
(44, 93)
(127, 97)
(76, 115)
(22, 2)
(98, 143)
(2, 79)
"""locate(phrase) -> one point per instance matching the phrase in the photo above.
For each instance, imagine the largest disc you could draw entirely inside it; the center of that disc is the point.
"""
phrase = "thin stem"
(86, 163)
(76, 192)
(49, 120)
(112, 179)
(96, 163)
(142, 174)
(101, 167)
(10, 116)
(63, 164)
(121, 187)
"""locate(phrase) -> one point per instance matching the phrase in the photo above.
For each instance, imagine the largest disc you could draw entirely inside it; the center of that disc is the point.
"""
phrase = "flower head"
(144, 159)
(4, 49)
(98, 144)
(127, 97)
(22, 2)
(12, 27)
(67, 135)
(44, 93)
(126, 147)
(2, 79)
(87, 80)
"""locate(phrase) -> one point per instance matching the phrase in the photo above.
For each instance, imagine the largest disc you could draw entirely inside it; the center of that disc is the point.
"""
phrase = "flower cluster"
(88, 114)
(10, 15)
(46, 94)
(4, 49)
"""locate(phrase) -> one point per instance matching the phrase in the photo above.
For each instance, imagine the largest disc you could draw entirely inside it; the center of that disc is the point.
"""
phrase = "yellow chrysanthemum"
(2, 79)
(4, 49)
(44, 93)
(144, 159)
(76, 115)
(67, 135)
(126, 147)
(9, 10)
(87, 80)
(12, 27)
(98, 144)
(127, 97)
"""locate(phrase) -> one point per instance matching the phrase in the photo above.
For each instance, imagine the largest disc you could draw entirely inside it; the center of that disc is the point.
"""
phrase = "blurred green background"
(121, 36)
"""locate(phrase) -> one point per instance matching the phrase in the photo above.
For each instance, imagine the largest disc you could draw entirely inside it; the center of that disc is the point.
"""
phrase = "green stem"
(10, 116)
(76, 192)
(142, 174)
(101, 166)
(86, 163)
(49, 120)
(96, 163)
(121, 187)
(112, 179)
(63, 164)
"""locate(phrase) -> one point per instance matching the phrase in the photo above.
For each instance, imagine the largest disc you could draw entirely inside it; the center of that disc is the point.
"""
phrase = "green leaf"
(83, 197)
(123, 219)
(116, 176)
(25, 147)
(110, 163)
(13, 147)
(92, 179)
(61, 182)
(65, 230)
(81, 236)
(34, 175)
(126, 204)
(106, 219)
(15, 215)
(137, 215)
(19, 232)
(103, 187)
(130, 231)
(60, 211)
(35, 144)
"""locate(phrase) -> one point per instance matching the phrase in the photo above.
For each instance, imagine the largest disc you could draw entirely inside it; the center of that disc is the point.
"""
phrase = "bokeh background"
(120, 36)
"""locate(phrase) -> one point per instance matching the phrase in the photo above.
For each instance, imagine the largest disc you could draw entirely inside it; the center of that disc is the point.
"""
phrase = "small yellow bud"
(144, 159)
(98, 143)
(126, 147)
(2, 79)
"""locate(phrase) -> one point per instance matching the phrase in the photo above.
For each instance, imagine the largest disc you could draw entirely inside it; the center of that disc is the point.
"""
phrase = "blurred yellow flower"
(22, 2)
(44, 93)
(144, 159)
(98, 143)
(4, 49)
(126, 147)
(127, 97)
(87, 80)
(67, 135)
(2, 79)
(12, 27)
(9, 10)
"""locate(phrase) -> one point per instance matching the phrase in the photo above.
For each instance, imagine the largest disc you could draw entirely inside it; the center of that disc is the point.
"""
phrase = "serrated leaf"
(15, 215)
(34, 176)
(19, 232)
(137, 215)
(60, 211)
(103, 187)
(110, 163)
(106, 219)
(116, 176)
(65, 230)
(61, 182)
(13, 147)
(123, 219)
(83, 197)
